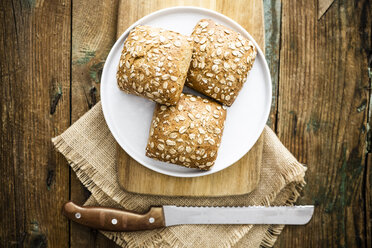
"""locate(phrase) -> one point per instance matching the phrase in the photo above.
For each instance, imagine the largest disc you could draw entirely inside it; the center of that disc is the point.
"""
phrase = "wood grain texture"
(323, 100)
(93, 34)
(368, 196)
(323, 6)
(324, 92)
(240, 178)
(131, 10)
(368, 174)
(272, 17)
(34, 106)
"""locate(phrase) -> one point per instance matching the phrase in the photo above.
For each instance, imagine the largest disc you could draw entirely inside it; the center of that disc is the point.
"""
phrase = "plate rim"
(144, 19)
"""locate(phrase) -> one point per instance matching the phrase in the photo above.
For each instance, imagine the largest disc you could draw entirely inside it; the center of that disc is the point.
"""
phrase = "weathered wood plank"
(368, 195)
(128, 11)
(272, 17)
(323, 6)
(322, 115)
(93, 34)
(34, 100)
(368, 177)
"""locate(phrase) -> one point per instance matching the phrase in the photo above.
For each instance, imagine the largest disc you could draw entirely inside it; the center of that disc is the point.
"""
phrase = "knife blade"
(110, 219)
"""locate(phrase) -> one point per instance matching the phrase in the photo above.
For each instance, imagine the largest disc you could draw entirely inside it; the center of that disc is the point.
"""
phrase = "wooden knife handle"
(110, 219)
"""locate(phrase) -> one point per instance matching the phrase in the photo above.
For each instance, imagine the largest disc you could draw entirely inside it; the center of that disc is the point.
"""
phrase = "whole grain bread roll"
(221, 61)
(187, 134)
(154, 64)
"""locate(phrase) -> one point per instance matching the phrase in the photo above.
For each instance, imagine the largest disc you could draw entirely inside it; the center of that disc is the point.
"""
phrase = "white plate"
(128, 116)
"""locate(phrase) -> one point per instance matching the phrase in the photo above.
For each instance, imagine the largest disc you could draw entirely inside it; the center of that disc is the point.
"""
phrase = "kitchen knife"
(110, 219)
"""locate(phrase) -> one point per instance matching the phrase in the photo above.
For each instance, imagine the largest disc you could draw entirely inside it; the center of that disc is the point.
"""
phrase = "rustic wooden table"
(52, 53)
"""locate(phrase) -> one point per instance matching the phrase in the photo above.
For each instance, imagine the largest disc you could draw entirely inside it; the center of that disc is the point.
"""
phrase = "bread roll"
(221, 61)
(154, 64)
(188, 134)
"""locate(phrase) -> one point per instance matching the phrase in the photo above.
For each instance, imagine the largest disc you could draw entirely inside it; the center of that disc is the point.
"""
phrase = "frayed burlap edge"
(82, 170)
(272, 233)
(291, 184)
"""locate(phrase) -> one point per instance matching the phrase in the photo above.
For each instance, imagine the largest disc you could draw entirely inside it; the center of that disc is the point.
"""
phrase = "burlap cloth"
(90, 150)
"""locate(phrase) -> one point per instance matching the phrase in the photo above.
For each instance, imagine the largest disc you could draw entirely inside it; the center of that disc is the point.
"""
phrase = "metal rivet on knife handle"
(110, 219)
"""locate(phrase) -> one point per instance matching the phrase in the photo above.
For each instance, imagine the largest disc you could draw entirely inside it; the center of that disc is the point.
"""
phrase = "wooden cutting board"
(240, 178)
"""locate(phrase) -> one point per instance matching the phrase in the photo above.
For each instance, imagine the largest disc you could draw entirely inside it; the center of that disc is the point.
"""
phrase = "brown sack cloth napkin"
(90, 149)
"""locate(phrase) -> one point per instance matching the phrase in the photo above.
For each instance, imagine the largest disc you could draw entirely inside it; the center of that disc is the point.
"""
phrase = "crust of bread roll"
(187, 134)
(220, 62)
(154, 64)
